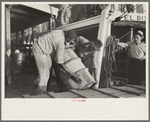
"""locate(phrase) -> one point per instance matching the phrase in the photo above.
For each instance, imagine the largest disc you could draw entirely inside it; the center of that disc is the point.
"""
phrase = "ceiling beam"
(30, 24)
(21, 11)
(43, 7)
(21, 17)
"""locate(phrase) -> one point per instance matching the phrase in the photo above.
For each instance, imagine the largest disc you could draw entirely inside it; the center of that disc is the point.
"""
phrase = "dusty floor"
(24, 85)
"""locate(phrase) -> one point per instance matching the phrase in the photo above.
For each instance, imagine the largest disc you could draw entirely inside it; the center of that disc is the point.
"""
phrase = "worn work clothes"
(137, 51)
(44, 64)
(83, 40)
(53, 42)
(45, 48)
(136, 69)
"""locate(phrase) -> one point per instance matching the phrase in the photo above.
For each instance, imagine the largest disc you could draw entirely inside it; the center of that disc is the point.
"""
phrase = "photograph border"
(74, 107)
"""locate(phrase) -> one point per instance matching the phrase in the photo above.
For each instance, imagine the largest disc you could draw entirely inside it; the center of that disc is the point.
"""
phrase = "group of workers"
(52, 45)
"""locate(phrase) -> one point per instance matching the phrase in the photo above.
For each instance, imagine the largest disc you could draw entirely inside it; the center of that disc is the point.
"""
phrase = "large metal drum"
(76, 66)
(18, 61)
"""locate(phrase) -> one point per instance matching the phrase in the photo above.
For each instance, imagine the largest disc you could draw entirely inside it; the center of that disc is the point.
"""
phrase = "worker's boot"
(60, 89)
(41, 90)
(94, 85)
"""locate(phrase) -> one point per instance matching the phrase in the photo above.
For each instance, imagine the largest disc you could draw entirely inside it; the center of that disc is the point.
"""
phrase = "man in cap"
(137, 53)
(45, 49)
(84, 49)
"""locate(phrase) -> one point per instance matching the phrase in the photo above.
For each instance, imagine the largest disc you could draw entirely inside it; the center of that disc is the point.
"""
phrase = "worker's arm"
(144, 57)
(144, 50)
(123, 45)
(81, 40)
(74, 76)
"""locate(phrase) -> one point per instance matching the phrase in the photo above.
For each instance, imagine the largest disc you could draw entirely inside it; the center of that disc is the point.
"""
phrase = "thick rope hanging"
(110, 49)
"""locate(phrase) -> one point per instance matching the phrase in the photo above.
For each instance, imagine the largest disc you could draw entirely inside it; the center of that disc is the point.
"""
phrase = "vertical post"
(8, 45)
(130, 37)
(131, 34)
(33, 34)
(17, 39)
(32, 57)
(101, 36)
(116, 7)
(50, 24)
(23, 36)
(29, 36)
(23, 39)
(54, 24)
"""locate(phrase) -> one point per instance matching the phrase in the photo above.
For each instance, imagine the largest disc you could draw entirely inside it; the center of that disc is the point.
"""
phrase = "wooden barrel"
(69, 54)
(74, 64)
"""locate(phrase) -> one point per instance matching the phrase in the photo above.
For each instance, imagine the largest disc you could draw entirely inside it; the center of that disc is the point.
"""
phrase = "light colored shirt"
(53, 42)
(135, 51)
(82, 40)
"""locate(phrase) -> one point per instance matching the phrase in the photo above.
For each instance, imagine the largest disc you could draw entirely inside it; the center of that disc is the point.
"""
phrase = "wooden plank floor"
(127, 91)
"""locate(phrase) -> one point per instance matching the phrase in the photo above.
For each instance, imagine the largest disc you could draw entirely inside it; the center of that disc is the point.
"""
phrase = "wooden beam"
(21, 11)
(32, 23)
(23, 36)
(22, 17)
(137, 87)
(99, 55)
(17, 37)
(43, 7)
(78, 93)
(101, 91)
(33, 33)
(139, 24)
(8, 45)
(80, 24)
(50, 24)
(26, 96)
(127, 91)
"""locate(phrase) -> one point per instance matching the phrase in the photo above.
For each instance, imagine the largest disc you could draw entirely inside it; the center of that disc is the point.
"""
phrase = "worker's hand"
(76, 78)
(142, 59)
(117, 40)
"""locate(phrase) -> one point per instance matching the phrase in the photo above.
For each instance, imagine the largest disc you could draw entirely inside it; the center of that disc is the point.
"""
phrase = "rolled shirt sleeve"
(123, 45)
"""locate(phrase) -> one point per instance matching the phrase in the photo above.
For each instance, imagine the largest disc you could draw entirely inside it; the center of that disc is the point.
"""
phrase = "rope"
(125, 14)
(110, 49)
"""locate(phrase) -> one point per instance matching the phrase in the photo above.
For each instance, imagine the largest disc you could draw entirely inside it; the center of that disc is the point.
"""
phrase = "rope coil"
(110, 49)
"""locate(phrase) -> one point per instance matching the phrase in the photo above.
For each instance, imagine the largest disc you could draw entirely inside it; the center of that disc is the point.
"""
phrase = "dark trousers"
(136, 71)
(58, 80)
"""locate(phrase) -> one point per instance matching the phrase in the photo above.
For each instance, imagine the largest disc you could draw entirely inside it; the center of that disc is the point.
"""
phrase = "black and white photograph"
(68, 58)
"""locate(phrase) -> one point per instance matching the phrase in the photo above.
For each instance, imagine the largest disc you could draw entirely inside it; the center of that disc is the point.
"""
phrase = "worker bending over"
(48, 47)
(137, 53)
(74, 41)
(84, 48)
